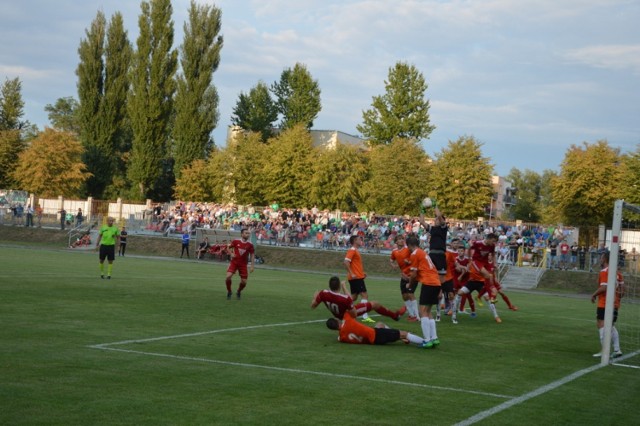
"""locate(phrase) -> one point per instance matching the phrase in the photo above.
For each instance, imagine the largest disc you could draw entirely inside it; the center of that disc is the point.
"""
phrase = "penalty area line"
(200, 333)
(299, 371)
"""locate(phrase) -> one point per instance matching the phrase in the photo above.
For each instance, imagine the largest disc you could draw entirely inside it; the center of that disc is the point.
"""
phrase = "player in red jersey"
(241, 252)
(476, 283)
(460, 278)
(351, 331)
(338, 302)
(601, 295)
(480, 252)
(425, 272)
(400, 259)
(492, 288)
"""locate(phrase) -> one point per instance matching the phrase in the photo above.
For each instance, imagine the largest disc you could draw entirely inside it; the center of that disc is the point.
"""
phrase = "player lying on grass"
(351, 331)
(338, 301)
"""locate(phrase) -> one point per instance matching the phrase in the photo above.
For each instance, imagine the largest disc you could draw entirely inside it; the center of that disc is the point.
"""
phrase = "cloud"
(24, 72)
(612, 56)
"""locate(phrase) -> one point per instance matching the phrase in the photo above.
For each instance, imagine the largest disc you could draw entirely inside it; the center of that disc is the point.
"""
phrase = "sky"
(527, 78)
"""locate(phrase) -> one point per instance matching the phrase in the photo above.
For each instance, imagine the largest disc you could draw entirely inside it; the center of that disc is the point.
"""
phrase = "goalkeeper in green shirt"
(108, 237)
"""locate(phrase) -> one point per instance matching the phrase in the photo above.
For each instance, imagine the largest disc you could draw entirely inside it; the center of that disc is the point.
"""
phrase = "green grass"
(268, 359)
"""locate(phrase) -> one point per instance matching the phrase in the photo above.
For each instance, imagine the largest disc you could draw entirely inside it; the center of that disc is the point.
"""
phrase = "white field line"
(298, 371)
(109, 347)
(201, 333)
(537, 392)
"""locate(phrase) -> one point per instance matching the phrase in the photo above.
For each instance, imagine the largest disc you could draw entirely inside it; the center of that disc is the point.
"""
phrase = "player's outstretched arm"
(314, 302)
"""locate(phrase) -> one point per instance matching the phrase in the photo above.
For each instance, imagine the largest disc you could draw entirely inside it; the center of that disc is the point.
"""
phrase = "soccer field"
(160, 344)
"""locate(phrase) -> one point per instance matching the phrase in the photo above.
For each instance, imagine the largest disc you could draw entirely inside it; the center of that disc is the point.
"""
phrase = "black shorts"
(404, 289)
(447, 286)
(386, 335)
(357, 286)
(440, 262)
(107, 252)
(600, 314)
(474, 285)
(429, 295)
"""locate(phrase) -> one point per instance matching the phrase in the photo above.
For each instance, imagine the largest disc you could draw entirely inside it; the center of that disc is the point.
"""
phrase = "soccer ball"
(426, 203)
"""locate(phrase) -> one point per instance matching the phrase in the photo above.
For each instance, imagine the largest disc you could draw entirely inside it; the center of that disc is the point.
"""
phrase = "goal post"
(624, 243)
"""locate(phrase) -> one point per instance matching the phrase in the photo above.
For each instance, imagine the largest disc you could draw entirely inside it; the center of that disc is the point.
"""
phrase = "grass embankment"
(292, 258)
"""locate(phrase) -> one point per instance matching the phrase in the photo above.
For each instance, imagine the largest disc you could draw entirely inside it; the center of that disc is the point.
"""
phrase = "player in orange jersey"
(423, 271)
(400, 259)
(601, 295)
(351, 331)
(355, 273)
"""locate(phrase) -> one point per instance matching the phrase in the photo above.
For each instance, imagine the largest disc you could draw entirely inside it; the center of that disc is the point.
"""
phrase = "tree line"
(142, 123)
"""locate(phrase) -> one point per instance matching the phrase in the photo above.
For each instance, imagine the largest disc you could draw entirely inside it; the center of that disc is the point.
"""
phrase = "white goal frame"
(614, 250)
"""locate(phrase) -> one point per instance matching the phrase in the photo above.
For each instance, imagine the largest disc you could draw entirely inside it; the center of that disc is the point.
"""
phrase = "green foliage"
(528, 185)
(399, 178)
(12, 105)
(150, 102)
(338, 177)
(461, 181)
(549, 210)
(588, 184)
(297, 97)
(632, 180)
(402, 112)
(52, 165)
(286, 177)
(105, 56)
(11, 145)
(256, 111)
(115, 120)
(63, 115)
(196, 100)
(249, 168)
(193, 183)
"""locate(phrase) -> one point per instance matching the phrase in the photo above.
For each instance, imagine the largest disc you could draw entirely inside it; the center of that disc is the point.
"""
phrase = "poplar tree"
(12, 142)
(196, 101)
(114, 117)
(105, 55)
(403, 110)
(256, 111)
(461, 180)
(150, 102)
(297, 97)
(12, 105)
(90, 72)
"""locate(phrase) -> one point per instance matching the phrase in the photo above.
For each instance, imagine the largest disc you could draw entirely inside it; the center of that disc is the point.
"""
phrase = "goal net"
(623, 242)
